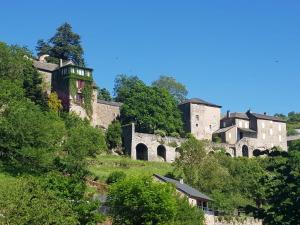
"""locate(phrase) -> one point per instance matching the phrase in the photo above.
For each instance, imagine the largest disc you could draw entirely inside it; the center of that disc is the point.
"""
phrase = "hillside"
(103, 165)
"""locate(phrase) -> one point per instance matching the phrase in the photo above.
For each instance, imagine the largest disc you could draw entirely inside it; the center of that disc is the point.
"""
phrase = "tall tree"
(150, 108)
(65, 44)
(176, 89)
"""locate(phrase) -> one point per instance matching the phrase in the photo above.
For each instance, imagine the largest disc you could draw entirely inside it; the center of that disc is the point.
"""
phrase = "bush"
(115, 177)
(114, 135)
(160, 133)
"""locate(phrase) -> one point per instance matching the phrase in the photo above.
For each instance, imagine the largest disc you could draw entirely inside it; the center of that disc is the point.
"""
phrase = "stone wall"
(204, 121)
(151, 144)
(210, 219)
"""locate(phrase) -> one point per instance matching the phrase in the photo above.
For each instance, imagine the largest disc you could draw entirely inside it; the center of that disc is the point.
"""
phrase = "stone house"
(202, 201)
(77, 91)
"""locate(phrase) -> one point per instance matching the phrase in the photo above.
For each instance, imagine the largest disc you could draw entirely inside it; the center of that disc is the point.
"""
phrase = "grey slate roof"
(192, 192)
(118, 104)
(222, 130)
(247, 130)
(50, 67)
(239, 115)
(266, 117)
(200, 101)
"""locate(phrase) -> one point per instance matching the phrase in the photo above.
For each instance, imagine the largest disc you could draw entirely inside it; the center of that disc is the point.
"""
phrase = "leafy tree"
(150, 108)
(29, 137)
(139, 201)
(283, 190)
(16, 67)
(187, 214)
(65, 44)
(54, 103)
(24, 201)
(103, 94)
(114, 135)
(176, 89)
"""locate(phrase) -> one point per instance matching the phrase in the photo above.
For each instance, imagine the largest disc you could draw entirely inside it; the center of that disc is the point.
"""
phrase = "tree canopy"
(176, 89)
(65, 44)
(150, 108)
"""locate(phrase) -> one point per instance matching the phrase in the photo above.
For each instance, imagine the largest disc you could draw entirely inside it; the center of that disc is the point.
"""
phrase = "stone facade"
(149, 147)
(201, 118)
(68, 81)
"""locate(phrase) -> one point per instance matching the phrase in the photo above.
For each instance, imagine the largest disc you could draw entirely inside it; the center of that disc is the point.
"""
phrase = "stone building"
(252, 134)
(200, 118)
(77, 91)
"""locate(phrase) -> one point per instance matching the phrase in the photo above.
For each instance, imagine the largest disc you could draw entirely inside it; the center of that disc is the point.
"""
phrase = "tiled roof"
(199, 101)
(45, 66)
(118, 104)
(192, 192)
(266, 117)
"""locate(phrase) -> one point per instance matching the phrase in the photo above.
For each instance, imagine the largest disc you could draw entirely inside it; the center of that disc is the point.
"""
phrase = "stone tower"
(200, 118)
(74, 87)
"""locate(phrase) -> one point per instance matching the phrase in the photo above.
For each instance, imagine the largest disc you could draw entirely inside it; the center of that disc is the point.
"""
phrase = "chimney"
(181, 181)
(265, 113)
(228, 113)
(60, 62)
(42, 58)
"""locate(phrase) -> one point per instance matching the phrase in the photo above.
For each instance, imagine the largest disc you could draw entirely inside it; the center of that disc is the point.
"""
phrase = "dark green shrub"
(115, 177)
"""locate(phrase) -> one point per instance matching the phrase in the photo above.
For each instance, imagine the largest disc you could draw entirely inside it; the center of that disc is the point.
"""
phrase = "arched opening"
(141, 152)
(161, 152)
(245, 151)
(257, 153)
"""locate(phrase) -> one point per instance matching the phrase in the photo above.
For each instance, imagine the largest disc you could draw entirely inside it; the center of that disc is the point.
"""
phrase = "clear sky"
(240, 54)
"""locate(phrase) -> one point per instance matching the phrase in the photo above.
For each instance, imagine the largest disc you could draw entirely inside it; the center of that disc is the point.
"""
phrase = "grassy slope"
(103, 165)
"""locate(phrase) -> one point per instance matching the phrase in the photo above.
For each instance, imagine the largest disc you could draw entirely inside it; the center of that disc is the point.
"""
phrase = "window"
(196, 124)
(229, 135)
(280, 138)
(263, 125)
(79, 98)
(80, 72)
(271, 131)
(88, 73)
(224, 124)
(197, 117)
(240, 124)
(72, 70)
(279, 127)
(264, 136)
(80, 84)
(246, 124)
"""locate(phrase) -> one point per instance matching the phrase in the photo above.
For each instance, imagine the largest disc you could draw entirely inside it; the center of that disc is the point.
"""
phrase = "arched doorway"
(245, 151)
(257, 152)
(141, 152)
(161, 152)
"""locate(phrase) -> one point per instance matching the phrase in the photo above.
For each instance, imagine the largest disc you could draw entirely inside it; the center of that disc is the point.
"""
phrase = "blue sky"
(239, 54)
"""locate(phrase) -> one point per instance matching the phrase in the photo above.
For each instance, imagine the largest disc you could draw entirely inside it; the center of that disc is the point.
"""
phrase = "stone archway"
(141, 152)
(245, 151)
(161, 152)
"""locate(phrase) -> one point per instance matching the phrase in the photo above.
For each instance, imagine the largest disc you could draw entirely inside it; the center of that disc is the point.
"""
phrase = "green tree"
(114, 135)
(176, 89)
(16, 67)
(29, 137)
(54, 103)
(140, 201)
(150, 108)
(24, 201)
(65, 44)
(103, 94)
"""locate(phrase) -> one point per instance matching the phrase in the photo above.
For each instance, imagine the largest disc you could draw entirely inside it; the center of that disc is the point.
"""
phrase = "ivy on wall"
(87, 91)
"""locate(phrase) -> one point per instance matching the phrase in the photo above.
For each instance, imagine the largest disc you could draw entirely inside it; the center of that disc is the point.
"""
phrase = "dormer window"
(72, 70)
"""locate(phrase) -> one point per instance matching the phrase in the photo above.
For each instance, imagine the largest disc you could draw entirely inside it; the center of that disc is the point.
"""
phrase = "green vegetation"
(65, 44)
(103, 94)
(293, 121)
(176, 89)
(103, 165)
(114, 135)
(150, 108)
(141, 201)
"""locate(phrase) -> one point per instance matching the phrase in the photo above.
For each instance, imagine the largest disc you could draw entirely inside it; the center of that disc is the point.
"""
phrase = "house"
(195, 197)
